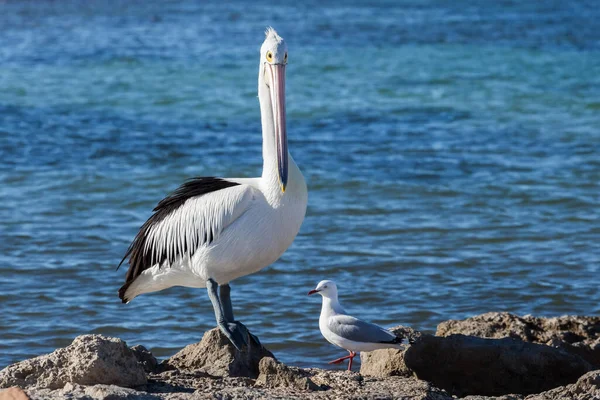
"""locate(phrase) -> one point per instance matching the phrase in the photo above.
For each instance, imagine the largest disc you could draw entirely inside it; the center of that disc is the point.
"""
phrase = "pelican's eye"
(285, 58)
(269, 56)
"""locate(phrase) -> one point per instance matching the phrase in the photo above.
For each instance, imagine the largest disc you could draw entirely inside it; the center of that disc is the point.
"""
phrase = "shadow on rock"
(465, 365)
(576, 334)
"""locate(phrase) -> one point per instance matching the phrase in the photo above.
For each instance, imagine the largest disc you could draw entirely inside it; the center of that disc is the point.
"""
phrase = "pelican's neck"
(331, 306)
(270, 173)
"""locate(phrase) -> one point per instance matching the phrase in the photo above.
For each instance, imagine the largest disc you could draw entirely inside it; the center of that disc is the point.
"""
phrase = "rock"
(382, 363)
(575, 334)
(489, 325)
(215, 355)
(411, 335)
(586, 388)
(469, 366)
(349, 385)
(96, 392)
(112, 392)
(274, 374)
(461, 365)
(13, 393)
(333, 384)
(89, 360)
(337, 380)
(466, 365)
(145, 357)
(504, 397)
(570, 329)
(388, 362)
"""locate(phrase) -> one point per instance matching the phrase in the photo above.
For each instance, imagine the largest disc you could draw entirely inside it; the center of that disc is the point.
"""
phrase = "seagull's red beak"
(313, 292)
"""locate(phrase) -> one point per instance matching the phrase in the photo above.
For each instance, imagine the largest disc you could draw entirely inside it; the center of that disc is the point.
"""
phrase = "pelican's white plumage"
(211, 231)
(234, 231)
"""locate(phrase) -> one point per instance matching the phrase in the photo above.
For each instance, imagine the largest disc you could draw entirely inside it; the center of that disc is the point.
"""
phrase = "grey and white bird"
(347, 332)
(210, 230)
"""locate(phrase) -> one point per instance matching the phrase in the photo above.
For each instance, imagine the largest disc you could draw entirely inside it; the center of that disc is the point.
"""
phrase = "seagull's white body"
(332, 314)
(347, 332)
(220, 229)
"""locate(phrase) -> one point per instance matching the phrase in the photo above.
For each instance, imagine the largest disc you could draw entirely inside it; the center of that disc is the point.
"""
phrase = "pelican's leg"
(225, 297)
(229, 329)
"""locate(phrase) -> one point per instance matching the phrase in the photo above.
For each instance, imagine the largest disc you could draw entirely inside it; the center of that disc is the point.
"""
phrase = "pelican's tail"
(123, 293)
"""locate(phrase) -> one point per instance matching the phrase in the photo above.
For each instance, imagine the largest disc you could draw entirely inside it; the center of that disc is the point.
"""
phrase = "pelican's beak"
(277, 88)
(313, 292)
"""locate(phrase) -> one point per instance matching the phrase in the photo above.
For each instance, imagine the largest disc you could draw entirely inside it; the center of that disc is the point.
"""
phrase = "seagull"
(347, 332)
(211, 230)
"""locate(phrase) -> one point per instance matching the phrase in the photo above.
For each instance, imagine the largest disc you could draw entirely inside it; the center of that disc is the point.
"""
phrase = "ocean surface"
(451, 151)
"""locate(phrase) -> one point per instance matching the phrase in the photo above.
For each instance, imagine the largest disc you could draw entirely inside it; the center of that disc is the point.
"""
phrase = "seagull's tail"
(399, 342)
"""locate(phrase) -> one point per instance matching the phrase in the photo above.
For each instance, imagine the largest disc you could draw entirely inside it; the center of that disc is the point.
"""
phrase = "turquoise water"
(451, 151)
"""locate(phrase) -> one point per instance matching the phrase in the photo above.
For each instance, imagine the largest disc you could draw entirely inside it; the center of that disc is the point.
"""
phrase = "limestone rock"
(145, 357)
(586, 388)
(466, 365)
(576, 334)
(274, 374)
(333, 384)
(89, 360)
(385, 362)
(95, 392)
(490, 325)
(504, 397)
(350, 385)
(337, 380)
(388, 362)
(215, 355)
(112, 392)
(528, 328)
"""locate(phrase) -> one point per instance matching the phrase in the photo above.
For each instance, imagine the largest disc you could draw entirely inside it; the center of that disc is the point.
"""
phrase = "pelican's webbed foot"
(237, 326)
(238, 337)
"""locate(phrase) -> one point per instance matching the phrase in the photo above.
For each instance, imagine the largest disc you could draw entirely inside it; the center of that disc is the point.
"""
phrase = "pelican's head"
(273, 59)
(326, 289)
(273, 50)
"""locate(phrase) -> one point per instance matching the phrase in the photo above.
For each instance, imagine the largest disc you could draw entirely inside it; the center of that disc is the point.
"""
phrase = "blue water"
(451, 151)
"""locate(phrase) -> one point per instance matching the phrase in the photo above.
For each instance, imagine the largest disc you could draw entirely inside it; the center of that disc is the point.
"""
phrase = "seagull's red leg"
(351, 357)
(339, 360)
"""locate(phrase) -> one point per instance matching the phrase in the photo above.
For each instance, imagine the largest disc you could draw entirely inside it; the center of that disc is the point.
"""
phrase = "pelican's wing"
(192, 216)
(360, 331)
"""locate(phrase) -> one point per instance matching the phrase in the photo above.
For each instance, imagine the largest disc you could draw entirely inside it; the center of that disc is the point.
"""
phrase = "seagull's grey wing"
(360, 331)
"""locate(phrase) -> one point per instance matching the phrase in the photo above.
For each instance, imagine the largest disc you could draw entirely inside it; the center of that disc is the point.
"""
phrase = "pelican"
(211, 230)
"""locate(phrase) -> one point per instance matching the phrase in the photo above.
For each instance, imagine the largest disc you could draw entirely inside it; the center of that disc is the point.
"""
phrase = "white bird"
(211, 231)
(347, 332)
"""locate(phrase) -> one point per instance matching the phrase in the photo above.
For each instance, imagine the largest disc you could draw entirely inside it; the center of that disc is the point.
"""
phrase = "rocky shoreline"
(490, 356)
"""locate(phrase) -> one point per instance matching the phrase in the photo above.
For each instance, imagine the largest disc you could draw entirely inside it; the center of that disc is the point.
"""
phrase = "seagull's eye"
(285, 58)
(324, 287)
(269, 56)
